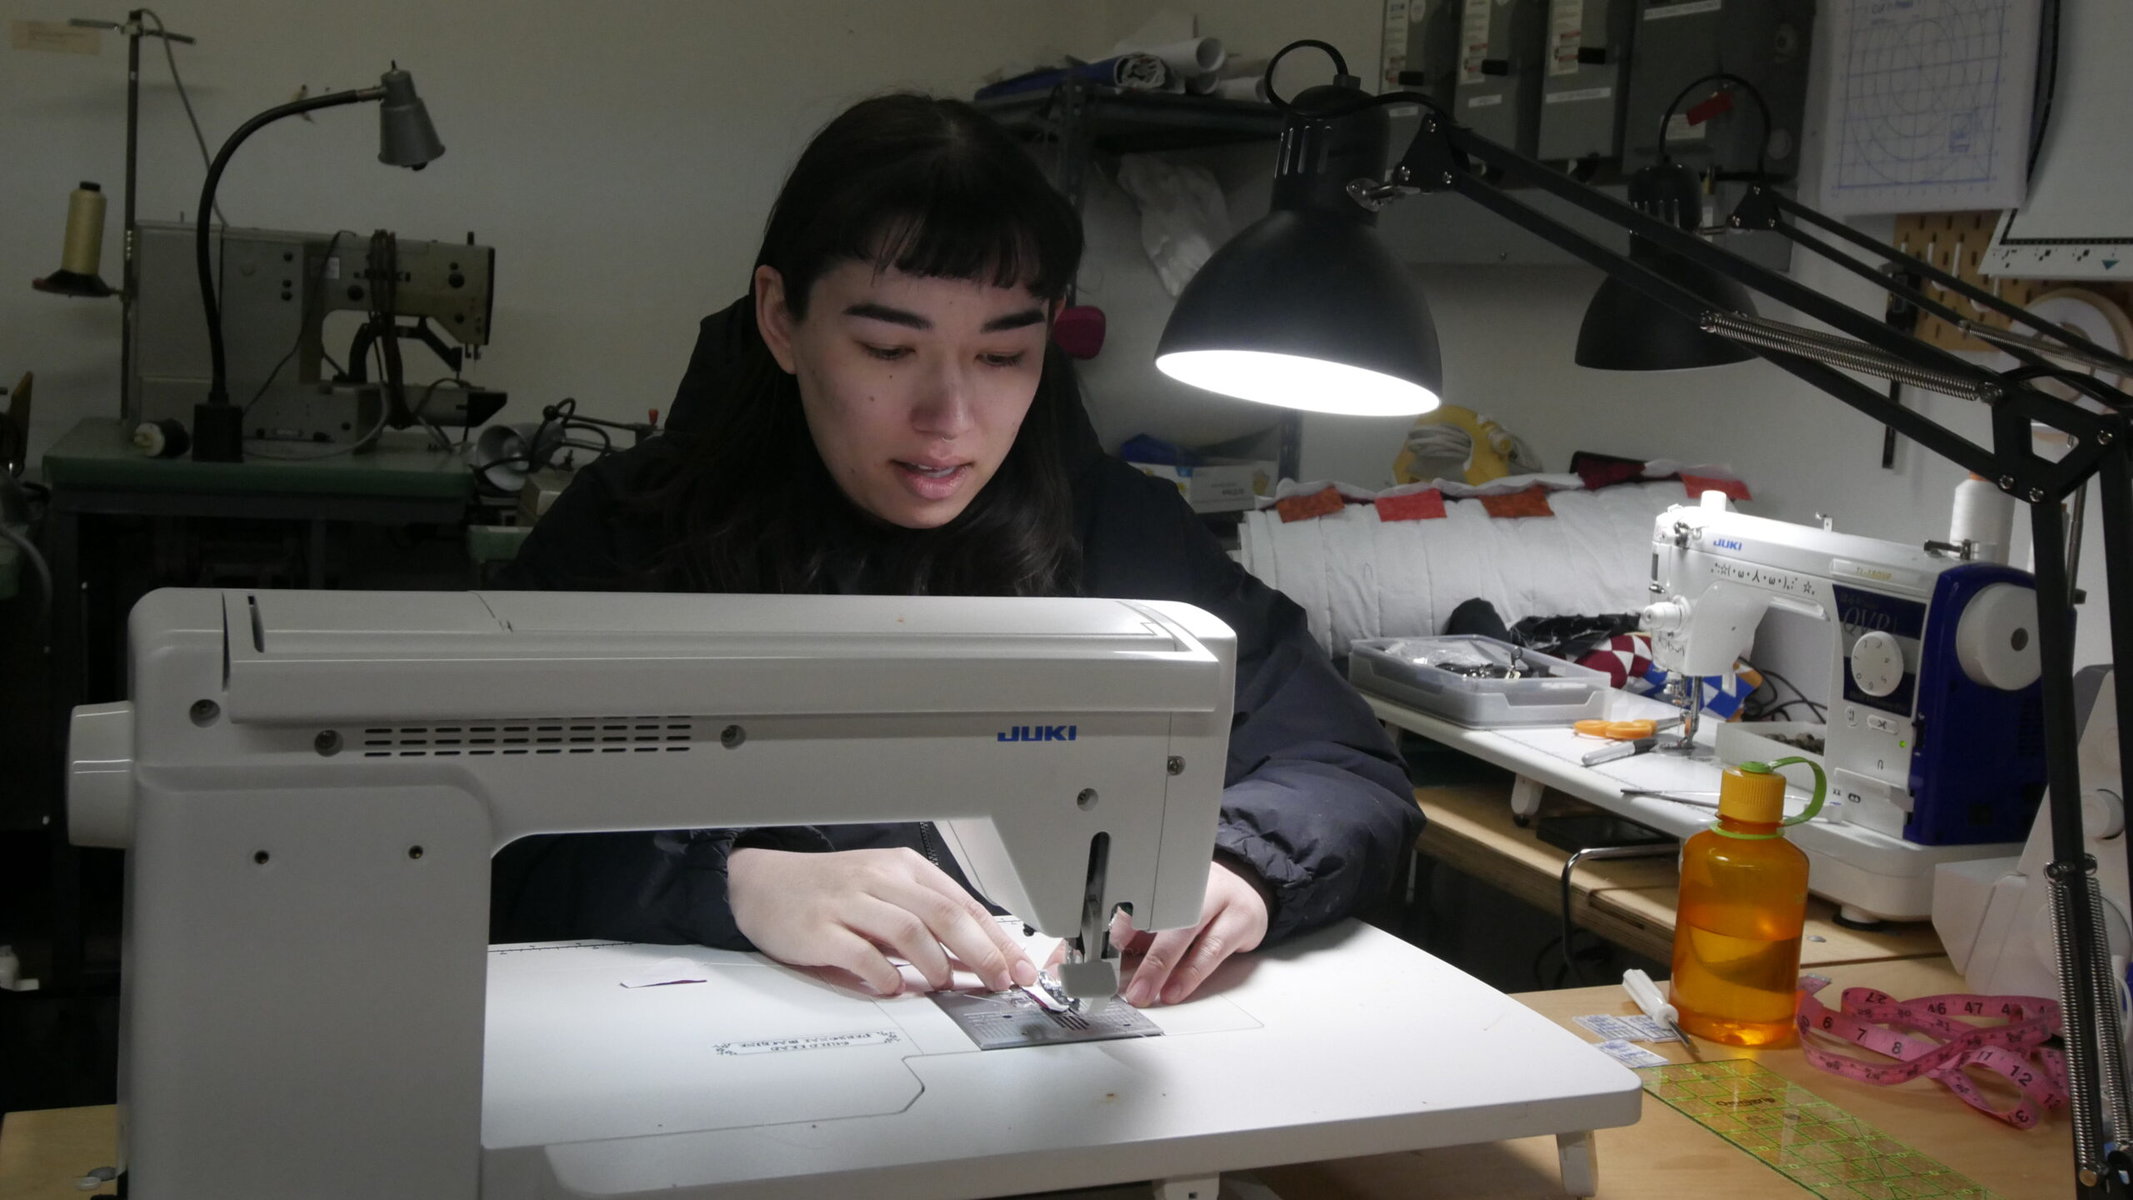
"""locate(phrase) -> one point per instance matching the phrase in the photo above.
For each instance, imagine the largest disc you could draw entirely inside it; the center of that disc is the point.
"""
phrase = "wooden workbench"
(1666, 1156)
(1629, 902)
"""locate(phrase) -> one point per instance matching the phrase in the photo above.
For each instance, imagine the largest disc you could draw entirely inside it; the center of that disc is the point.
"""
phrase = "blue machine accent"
(1977, 771)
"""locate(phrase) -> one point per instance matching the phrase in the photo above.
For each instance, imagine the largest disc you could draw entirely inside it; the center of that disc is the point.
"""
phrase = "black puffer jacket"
(1316, 804)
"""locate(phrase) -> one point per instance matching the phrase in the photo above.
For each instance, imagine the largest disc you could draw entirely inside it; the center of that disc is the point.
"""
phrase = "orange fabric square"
(1303, 508)
(1533, 502)
(1424, 505)
(1697, 485)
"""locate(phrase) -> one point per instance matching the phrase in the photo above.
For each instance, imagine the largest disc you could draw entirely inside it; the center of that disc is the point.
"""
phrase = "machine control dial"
(1877, 663)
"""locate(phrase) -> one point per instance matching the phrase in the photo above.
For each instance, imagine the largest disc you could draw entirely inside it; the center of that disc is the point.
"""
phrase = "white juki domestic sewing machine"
(310, 786)
(1932, 741)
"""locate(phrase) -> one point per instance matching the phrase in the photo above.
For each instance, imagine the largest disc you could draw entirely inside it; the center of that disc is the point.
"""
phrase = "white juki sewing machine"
(310, 786)
(1932, 741)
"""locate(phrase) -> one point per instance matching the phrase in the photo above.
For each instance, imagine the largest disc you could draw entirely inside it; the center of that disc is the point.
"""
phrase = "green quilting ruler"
(1800, 1135)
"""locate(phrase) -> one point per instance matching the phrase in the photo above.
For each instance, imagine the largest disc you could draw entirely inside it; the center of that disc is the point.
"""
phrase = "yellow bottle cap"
(1752, 792)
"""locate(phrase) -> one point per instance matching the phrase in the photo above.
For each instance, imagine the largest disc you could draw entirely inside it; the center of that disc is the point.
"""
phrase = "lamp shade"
(1626, 330)
(405, 136)
(1305, 309)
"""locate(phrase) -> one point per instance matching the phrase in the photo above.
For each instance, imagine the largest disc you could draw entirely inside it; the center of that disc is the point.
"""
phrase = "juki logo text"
(1037, 733)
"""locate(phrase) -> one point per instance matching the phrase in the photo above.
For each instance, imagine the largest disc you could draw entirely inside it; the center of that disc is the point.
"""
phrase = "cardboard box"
(1220, 485)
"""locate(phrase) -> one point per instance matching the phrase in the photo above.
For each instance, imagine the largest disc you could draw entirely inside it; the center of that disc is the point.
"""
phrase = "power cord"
(318, 280)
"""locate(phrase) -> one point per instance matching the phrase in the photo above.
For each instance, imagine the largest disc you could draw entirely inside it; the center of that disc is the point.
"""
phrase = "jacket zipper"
(925, 841)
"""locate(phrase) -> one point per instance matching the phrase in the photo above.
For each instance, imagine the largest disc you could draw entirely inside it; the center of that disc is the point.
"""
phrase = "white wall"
(619, 155)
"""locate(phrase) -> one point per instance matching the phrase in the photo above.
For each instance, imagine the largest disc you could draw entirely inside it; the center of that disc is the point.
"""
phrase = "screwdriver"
(1646, 993)
(1615, 750)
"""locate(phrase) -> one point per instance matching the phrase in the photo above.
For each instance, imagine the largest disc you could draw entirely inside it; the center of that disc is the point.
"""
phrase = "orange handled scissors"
(1624, 731)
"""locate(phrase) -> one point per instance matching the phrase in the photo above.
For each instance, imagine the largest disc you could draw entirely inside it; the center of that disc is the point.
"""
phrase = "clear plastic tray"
(1461, 678)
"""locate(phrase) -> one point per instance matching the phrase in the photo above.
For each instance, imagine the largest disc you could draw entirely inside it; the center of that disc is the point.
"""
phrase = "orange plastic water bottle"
(1743, 904)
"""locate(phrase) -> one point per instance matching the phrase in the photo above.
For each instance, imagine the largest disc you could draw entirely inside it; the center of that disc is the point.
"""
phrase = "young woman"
(881, 415)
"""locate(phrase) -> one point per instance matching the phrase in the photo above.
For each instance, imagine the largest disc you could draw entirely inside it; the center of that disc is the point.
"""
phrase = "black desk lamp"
(1623, 329)
(1319, 318)
(405, 139)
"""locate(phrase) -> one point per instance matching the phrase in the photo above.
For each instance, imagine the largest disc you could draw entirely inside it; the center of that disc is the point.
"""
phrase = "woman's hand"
(1176, 961)
(844, 908)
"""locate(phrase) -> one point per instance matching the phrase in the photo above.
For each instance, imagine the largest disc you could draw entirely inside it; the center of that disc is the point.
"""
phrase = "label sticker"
(1612, 1028)
(819, 1041)
(1630, 1054)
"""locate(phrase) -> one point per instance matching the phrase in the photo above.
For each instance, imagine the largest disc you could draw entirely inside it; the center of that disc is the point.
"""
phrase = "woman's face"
(913, 386)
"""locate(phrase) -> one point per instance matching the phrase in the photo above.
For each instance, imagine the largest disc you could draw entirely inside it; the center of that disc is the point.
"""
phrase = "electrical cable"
(1771, 712)
(318, 281)
(1821, 714)
(1762, 146)
(186, 99)
(29, 552)
(444, 441)
(268, 382)
(2047, 83)
(1340, 67)
(15, 503)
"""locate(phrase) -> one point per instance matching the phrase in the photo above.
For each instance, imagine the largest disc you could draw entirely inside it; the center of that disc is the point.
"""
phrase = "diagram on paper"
(1929, 105)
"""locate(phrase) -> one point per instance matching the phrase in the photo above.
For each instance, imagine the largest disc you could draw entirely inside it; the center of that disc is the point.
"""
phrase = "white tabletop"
(1870, 874)
(1345, 1042)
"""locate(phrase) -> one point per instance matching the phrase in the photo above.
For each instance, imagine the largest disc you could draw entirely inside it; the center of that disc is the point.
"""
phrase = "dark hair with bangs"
(928, 187)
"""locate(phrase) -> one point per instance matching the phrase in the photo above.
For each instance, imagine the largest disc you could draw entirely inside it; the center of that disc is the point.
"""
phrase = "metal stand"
(130, 272)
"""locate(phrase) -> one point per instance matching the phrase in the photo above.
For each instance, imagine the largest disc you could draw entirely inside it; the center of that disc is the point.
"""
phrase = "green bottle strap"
(1813, 806)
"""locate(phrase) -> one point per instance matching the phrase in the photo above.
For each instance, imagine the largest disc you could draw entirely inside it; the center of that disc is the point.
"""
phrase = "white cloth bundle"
(1356, 576)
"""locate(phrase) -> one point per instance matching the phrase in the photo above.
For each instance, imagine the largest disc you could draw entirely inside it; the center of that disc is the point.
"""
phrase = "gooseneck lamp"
(2098, 426)
(405, 139)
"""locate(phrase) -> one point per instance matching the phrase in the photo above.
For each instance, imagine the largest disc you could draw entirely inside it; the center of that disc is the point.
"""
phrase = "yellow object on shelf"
(1434, 443)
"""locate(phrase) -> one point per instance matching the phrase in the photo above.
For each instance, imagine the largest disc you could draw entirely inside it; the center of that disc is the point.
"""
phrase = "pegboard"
(1955, 242)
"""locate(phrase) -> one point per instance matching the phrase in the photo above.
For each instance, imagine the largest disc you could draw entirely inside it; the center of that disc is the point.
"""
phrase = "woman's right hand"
(844, 908)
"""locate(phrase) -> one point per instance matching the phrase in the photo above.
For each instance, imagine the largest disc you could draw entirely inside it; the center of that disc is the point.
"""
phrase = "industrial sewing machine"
(276, 290)
(310, 786)
(1933, 712)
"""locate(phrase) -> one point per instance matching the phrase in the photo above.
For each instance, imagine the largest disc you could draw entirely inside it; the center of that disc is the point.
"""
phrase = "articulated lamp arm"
(1446, 157)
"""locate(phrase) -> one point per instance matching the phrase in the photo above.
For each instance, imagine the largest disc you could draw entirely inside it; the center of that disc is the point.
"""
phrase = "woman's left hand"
(1176, 961)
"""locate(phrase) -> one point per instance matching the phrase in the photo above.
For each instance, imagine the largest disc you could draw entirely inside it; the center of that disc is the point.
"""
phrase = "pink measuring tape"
(1925, 1038)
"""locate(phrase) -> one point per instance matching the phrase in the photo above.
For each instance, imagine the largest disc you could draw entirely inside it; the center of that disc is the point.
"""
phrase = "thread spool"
(1984, 517)
(83, 252)
(161, 439)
